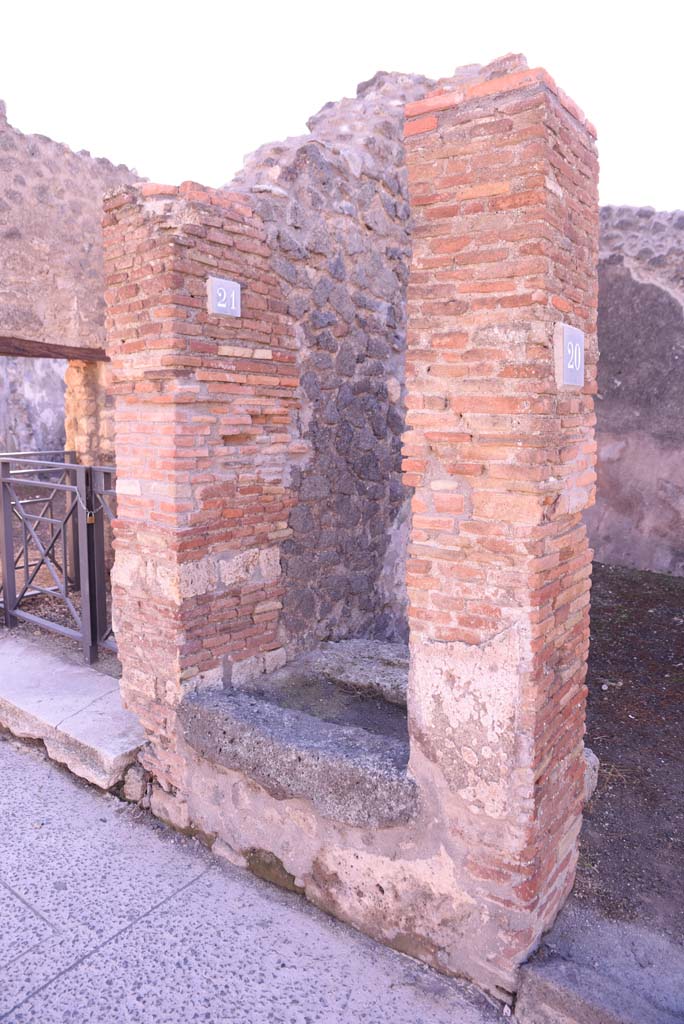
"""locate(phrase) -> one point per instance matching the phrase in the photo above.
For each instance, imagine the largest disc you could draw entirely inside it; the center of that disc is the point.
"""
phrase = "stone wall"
(51, 275)
(639, 515)
(31, 404)
(335, 209)
(89, 412)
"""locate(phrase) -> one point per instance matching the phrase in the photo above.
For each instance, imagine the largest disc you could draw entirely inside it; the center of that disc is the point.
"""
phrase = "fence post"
(9, 582)
(97, 561)
(72, 572)
(88, 639)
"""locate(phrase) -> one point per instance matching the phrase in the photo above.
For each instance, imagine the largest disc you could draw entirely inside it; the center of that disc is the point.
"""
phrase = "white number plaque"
(568, 345)
(223, 296)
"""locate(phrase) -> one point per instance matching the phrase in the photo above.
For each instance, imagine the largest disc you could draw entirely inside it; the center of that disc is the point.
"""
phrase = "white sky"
(184, 90)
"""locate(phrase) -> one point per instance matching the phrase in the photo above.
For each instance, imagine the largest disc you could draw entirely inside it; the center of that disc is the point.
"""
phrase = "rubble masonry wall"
(52, 289)
(638, 519)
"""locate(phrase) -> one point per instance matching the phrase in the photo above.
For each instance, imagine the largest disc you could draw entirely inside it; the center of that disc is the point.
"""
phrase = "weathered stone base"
(303, 780)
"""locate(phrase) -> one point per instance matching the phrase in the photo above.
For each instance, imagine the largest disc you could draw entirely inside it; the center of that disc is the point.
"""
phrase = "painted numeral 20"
(574, 355)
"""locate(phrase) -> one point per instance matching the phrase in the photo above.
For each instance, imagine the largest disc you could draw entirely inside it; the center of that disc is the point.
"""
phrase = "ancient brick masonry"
(204, 428)
(502, 176)
(212, 447)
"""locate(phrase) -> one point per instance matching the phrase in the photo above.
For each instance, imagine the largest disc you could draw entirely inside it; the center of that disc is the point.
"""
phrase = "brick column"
(503, 175)
(204, 419)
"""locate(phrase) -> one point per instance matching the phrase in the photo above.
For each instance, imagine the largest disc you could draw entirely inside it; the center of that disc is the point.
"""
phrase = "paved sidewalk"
(106, 916)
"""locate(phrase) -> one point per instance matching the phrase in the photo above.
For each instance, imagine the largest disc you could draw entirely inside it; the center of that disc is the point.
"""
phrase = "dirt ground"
(632, 846)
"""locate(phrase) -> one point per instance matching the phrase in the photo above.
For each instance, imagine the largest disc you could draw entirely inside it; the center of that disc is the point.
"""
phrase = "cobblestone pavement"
(108, 916)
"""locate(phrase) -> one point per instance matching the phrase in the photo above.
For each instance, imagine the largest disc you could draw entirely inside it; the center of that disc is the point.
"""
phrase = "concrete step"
(75, 710)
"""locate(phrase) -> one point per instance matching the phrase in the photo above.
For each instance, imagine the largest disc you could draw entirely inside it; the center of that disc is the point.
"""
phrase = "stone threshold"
(320, 729)
(593, 970)
(76, 711)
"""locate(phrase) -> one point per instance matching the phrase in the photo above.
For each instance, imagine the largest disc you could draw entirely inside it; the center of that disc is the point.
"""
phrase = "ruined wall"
(31, 404)
(51, 273)
(335, 209)
(213, 421)
(51, 270)
(639, 515)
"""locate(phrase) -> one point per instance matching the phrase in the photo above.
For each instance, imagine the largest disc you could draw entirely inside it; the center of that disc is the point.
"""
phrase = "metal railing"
(54, 522)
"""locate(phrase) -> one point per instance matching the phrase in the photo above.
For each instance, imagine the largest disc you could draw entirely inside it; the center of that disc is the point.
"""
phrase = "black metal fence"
(55, 539)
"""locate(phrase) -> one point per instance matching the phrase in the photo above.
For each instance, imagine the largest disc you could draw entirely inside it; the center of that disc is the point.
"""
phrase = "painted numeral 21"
(225, 299)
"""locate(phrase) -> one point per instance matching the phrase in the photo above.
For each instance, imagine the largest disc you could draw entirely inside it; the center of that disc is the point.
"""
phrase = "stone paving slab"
(76, 711)
(21, 928)
(146, 926)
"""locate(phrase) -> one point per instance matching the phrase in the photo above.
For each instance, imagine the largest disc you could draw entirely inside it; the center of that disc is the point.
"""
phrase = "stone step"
(372, 667)
(75, 710)
(557, 991)
(592, 970)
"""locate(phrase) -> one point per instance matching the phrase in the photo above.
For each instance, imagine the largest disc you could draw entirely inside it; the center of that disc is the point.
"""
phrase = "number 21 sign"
(568, 343)
(223, 296)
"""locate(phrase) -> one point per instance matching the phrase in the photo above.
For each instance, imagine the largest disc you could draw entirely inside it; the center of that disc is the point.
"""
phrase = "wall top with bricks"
(472, 82)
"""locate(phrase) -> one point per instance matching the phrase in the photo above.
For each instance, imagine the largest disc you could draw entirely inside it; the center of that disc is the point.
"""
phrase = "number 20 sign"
(223, 296)
(569, 354)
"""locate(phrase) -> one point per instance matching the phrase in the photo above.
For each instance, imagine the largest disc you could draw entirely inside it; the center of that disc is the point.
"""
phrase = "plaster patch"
(468, 692)
(406, 901)
(269, 564)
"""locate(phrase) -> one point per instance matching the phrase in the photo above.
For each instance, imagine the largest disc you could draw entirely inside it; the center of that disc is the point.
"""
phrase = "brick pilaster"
(204, 434)
(88, 412)
(503, 175)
